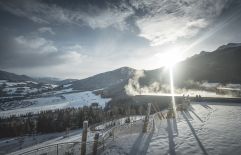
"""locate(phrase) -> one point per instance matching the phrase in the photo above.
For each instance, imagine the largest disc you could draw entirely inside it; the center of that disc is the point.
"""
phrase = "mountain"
(66, 81)
(14, 77)
(229, 45)
(222, 66)
(48, 80)
(21, 86)
(104, 80)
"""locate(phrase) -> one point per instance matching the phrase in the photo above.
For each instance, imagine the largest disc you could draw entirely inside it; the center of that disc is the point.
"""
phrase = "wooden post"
(95, 145)
(147, 118)
(171, 113)
(57, 149)
(84, 137)
(113, 133)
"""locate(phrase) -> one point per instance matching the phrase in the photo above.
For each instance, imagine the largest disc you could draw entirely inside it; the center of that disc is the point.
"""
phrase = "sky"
(80, 38)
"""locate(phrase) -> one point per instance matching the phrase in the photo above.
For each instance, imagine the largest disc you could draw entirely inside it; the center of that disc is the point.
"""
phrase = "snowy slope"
(75, 100)
(204, 129)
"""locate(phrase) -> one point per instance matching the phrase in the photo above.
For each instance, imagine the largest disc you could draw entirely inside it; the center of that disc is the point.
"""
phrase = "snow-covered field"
(23, 88)
(61, 139)
(204, 129)
(77, 99)
(193, 93)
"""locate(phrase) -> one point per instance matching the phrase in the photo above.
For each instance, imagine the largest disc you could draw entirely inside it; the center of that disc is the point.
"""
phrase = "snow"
(62, 101)
(193, 93)
(231, 89)
(32, 82)
(2, 81)
(230, 85)
(210, 85)
(204, 129)
(21, 90)
(67, 85)
(15, 83)
(120, 121)
(69, 141)
(54, 85)
(10, 90)
(43, 141)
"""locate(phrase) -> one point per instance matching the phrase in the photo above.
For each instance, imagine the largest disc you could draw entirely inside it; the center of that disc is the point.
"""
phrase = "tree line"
(62, 119)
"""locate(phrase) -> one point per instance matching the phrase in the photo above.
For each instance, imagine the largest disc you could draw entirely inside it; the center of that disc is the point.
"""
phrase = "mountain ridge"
(222, 65)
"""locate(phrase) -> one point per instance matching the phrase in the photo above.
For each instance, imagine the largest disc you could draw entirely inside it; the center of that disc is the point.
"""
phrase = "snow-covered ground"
(193, 93)
(121, 121)
(77, 99)
(23, 88)
(204, 129)
(61, 139)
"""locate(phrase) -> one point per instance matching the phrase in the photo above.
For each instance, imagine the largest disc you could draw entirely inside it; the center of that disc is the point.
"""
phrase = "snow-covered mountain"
(220, 66)
(13, 85)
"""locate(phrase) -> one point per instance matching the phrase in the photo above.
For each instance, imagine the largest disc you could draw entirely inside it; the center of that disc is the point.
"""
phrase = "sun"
(171, 57)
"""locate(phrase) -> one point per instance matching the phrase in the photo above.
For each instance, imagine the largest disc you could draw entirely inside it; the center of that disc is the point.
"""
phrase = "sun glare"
(172, 88)
(171, 57)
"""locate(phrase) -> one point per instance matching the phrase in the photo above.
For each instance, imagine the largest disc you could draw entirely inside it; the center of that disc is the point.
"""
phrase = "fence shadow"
(142, 143)
(197, 116)
(194, 134)
(188, 114)
(170, 138)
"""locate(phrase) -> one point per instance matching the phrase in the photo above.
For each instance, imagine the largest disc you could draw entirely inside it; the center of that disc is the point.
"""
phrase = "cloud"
(158, 21)
(167, 21)
(92, 16)
(73, 54)
(46, 30)
(74, 48)
(112, 16)
(74, 36)
(35, 44)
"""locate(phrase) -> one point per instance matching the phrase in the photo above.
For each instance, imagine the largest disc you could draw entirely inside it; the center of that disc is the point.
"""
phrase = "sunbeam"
(172, 90)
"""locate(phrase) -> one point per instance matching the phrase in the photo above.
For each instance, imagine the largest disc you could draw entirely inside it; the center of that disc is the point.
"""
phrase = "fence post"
(95, 145)
(84, 137)
(147, 118)
(113, 133)
(57, 149)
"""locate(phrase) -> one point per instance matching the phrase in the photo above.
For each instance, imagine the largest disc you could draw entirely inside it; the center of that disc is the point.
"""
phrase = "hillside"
(220, 66)
(14, 77)
(104, 80)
